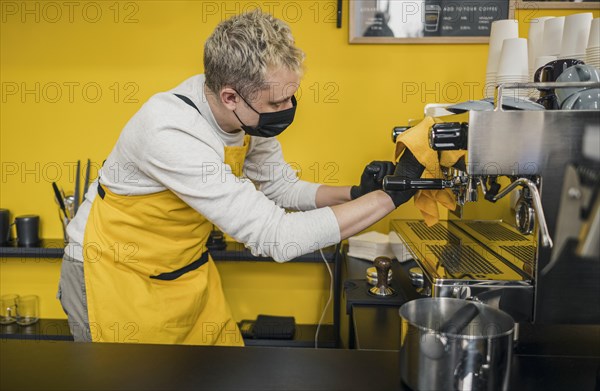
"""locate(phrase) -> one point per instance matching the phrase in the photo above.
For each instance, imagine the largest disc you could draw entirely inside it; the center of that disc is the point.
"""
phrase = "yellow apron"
(148, 275)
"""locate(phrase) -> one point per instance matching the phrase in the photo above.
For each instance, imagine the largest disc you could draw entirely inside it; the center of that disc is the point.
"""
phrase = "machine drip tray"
(469, 250)
(504, 240)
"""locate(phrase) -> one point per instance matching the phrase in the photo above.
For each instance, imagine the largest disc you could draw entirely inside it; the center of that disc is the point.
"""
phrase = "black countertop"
(46, 365)
(85, 366)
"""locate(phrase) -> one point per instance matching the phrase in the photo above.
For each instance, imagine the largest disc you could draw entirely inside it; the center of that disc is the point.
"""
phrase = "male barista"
(137, 267)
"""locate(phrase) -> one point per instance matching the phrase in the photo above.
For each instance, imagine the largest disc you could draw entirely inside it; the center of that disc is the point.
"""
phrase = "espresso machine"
(525, 235)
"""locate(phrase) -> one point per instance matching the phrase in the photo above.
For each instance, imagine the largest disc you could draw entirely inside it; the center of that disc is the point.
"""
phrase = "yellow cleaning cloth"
(416, 139)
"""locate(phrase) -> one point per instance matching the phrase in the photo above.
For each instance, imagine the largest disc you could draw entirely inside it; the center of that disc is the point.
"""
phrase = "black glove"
(371, 178)
(409, 167)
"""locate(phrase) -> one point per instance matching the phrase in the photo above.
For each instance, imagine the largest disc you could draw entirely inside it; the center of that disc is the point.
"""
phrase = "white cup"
(490, 85)
(553, 32)
(594, 37)
(580, 56)
(592, 59)
(592, 53)
(514, 79)
(513, 58)
(501, 30)
(576, 34)
(535, 38)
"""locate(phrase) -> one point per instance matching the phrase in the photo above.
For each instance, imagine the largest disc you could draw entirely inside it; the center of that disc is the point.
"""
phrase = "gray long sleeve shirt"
(167, 144)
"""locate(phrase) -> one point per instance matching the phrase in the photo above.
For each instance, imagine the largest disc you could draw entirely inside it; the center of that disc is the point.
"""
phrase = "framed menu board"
(425, 21)
(564, 4)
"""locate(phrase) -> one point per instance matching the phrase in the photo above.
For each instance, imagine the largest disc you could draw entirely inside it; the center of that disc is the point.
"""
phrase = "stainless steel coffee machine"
(525, 235)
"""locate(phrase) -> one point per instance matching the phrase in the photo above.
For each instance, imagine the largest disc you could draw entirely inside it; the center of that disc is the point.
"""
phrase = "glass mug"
(28, 310)
(8, 308)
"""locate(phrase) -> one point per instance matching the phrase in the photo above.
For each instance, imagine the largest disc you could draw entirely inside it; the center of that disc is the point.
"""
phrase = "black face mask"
(270, 124)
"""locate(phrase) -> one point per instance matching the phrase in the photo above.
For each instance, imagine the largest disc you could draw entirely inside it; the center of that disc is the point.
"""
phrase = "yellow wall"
(251, 288)
(29, 276)
(72, 74)
(297, 289)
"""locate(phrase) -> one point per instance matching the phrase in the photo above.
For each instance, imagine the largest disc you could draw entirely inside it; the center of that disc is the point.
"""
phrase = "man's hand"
(409, 167)
(372, 178)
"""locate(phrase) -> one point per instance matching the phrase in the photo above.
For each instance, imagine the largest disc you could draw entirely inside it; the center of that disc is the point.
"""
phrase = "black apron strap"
(101, 191)
(184, 98)
(188, 101)
(170, 276)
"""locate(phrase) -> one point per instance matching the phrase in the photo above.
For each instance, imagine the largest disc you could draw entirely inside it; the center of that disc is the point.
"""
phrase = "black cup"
(28, 230)
(4, 227)
(549, 73)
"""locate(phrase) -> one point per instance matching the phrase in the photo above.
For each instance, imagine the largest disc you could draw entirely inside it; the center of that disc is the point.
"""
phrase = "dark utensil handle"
(460, 319)
(59, 198)
(400, 183)
(61, 201)
(383, 266)
(86, 182)
(77, 180)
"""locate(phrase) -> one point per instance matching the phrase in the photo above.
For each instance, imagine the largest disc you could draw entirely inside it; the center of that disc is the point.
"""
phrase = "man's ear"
(229, 98)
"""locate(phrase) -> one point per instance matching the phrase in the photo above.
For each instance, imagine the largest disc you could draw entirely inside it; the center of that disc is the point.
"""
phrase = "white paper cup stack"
(513, 65)
(576, 33)
(552, 39)
(534, 41)
(501, 30)
(592, 52)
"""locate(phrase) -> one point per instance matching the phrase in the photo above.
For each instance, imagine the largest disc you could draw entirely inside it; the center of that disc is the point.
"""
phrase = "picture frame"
(535, 5)
(425, 21)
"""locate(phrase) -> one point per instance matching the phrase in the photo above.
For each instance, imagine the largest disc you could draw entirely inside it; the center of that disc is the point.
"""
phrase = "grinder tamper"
(383, 265)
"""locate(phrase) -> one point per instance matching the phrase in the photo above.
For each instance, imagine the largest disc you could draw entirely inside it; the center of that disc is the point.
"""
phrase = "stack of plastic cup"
(513, 66)
(552, 39)
(501, 30)
(534, 41)
(592, 52)
(576, 33)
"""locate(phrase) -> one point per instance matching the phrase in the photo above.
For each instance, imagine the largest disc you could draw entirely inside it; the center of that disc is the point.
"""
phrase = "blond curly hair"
(242, 48)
